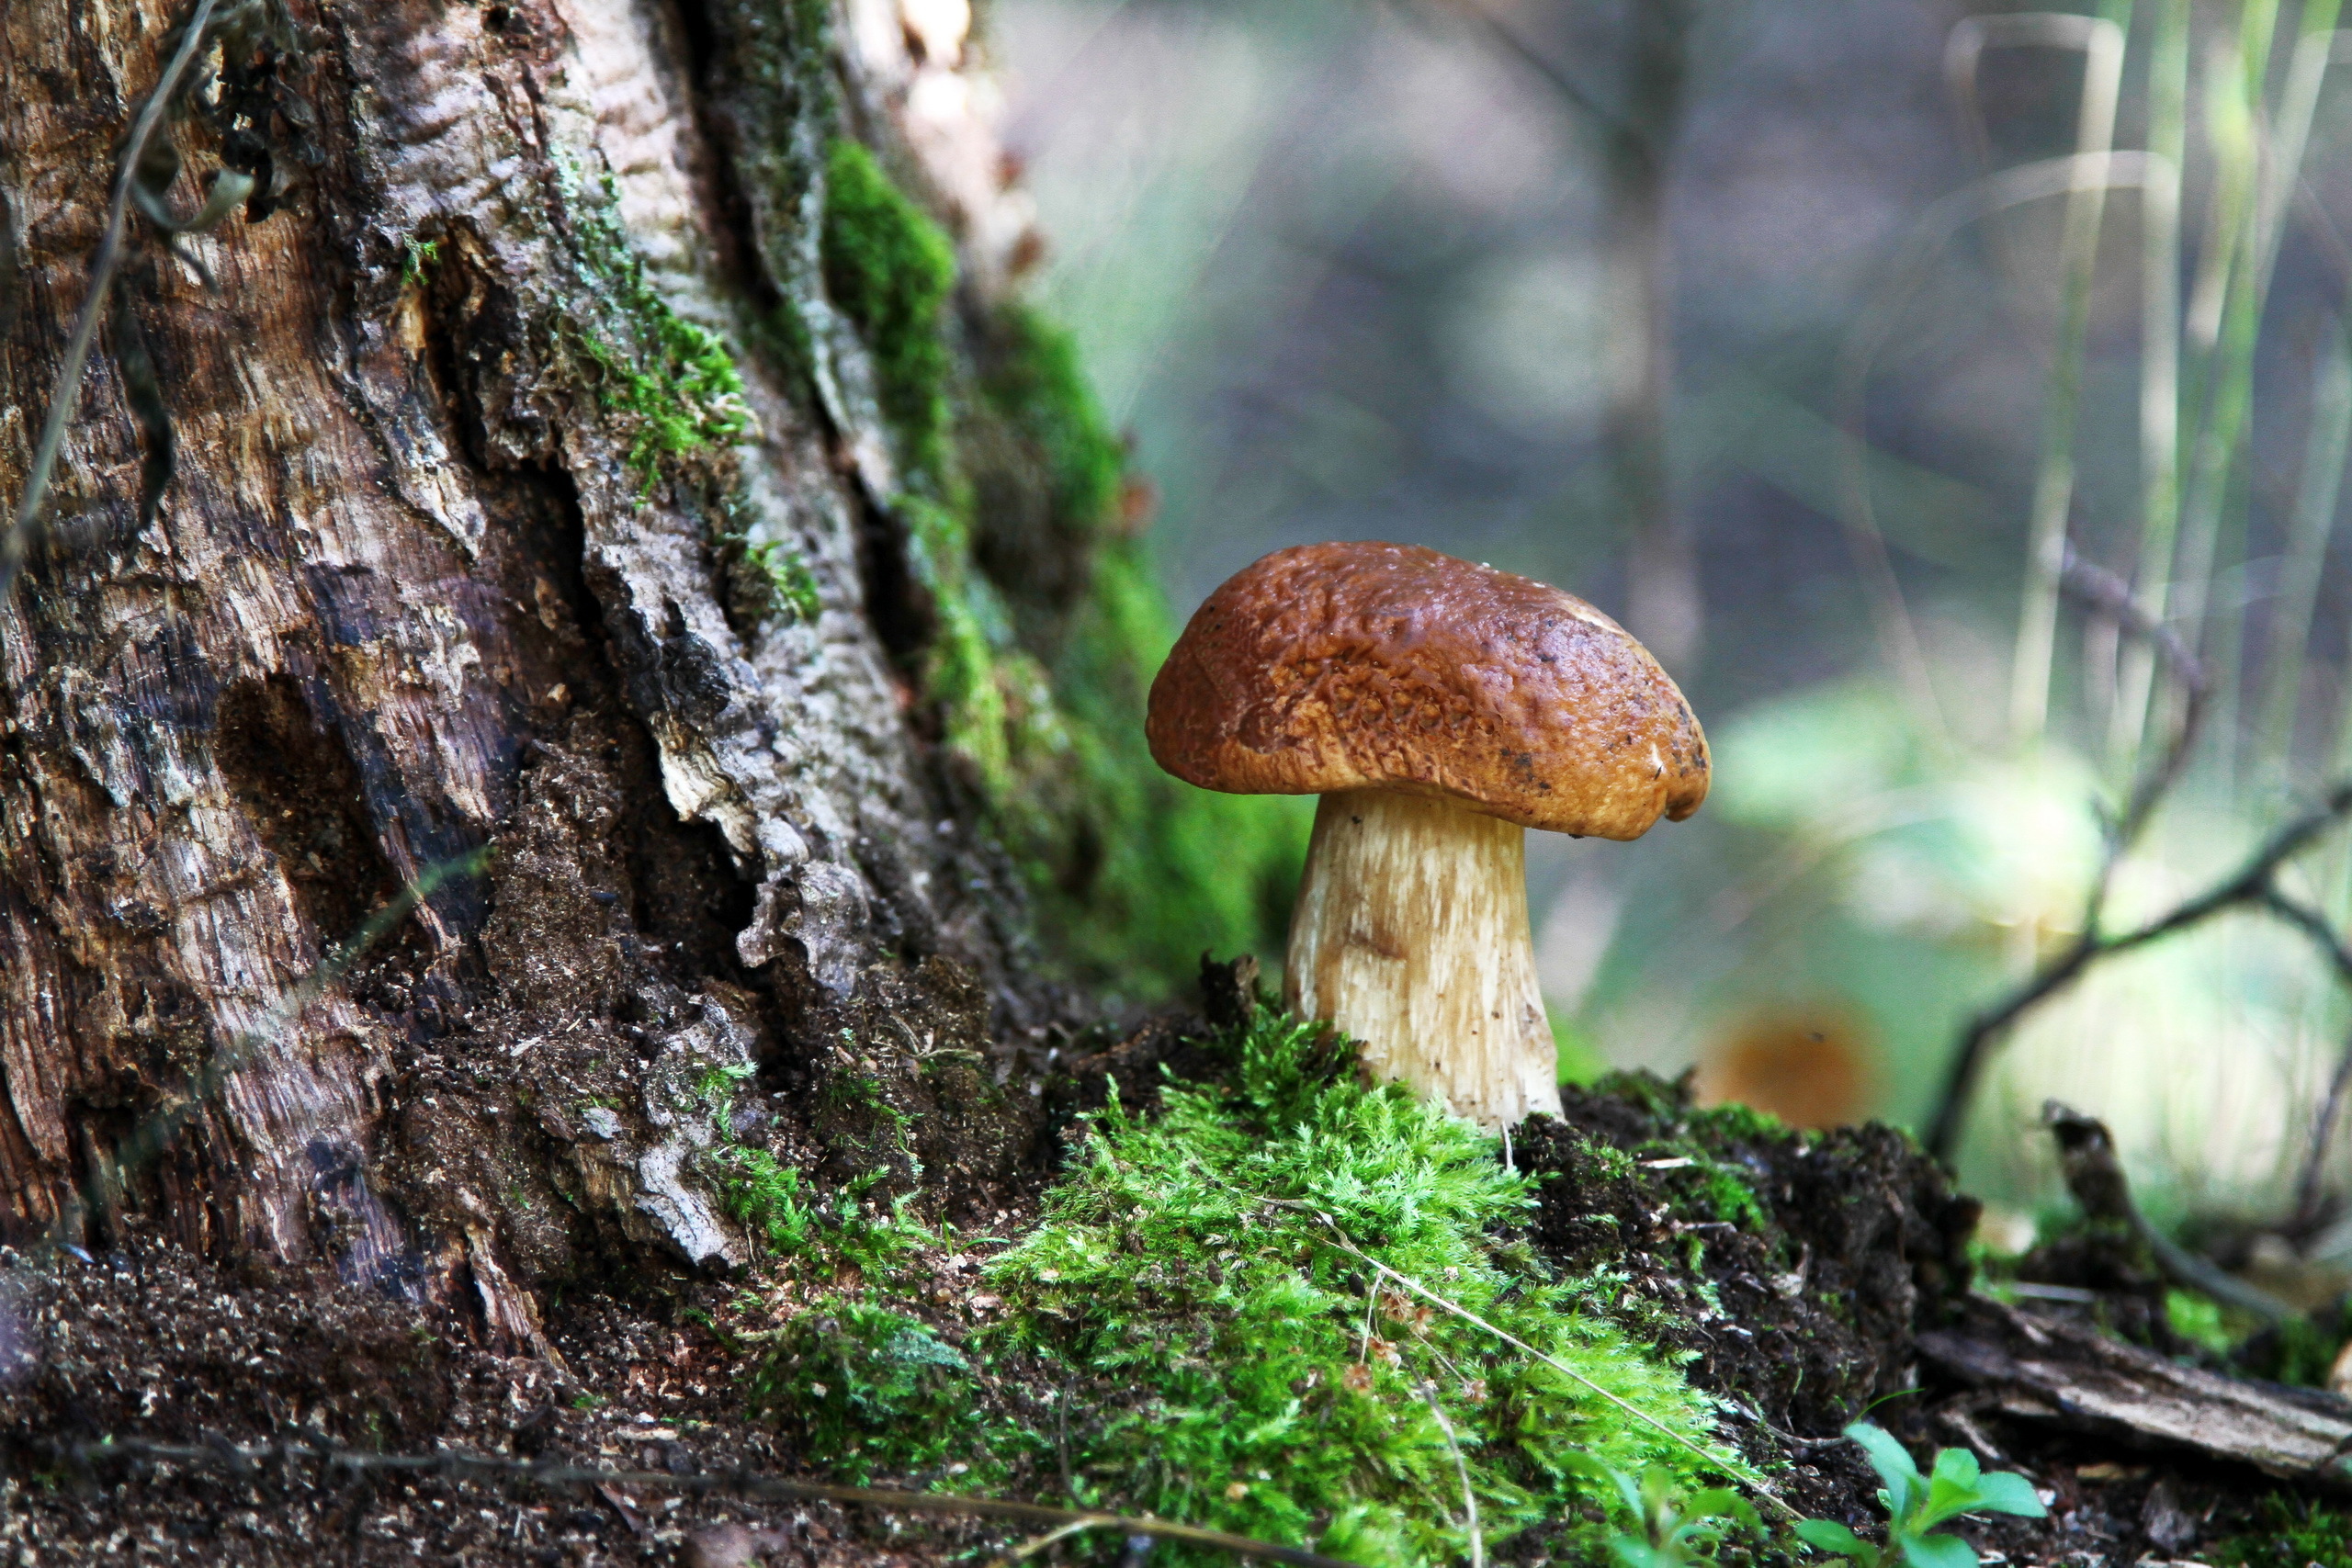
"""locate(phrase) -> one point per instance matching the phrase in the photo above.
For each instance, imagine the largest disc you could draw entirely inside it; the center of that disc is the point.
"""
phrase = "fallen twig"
(2072, 1374)
(556, 1473)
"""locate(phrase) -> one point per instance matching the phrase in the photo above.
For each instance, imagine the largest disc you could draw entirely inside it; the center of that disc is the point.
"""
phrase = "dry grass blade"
(2157, 179)
(1462, 1470)
(1037, 1543)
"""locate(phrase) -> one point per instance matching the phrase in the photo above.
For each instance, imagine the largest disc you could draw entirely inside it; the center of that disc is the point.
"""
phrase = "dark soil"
(1800, 1312)
(164, 1347)
(1793, 1268)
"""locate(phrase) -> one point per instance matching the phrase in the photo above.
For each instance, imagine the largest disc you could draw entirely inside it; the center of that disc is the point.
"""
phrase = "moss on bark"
(1048, 620)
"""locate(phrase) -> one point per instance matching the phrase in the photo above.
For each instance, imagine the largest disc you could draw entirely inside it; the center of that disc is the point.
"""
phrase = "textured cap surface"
(1348, 666)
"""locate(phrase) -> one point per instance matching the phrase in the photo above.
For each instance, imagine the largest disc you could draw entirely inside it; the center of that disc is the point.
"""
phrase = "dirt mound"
(1793, 1268)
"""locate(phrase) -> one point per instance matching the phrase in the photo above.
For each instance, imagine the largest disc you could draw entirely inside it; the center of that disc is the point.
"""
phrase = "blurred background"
(1803, 337)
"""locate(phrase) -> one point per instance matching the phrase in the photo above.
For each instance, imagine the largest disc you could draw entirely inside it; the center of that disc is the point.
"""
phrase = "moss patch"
(889, 268)
(1134, 871)
(671, 386)
(1184, 1333)
(1047, 621)
(1154, 869)
(2289, 1533)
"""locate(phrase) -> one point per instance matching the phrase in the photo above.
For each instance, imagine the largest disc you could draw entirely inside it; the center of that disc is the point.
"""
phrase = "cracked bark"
(409, 597)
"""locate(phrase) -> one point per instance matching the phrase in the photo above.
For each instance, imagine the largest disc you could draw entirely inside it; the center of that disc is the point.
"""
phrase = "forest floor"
(1788, 1275)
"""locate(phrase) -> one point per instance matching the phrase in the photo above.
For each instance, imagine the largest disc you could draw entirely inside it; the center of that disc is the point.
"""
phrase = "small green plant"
(715, 1085)
(1672, 1527)
(766, 1194)
(1917, 1505)
(792, 586)
(421, 254)
(2198, 1319)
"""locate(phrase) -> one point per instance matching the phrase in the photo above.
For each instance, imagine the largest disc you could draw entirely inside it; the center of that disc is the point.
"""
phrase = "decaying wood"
(2046, 1370)
(413, 593)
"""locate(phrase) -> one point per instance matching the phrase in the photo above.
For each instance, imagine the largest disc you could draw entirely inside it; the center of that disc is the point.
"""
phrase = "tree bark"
(474, 543)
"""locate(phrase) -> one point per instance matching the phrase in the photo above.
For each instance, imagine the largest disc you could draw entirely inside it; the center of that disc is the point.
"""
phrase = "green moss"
(422, 255)
(889, 268)
(1135, 871)
(872, 1388)
(2196, 1318)
(1034, 381)
(1188, 1331)
(1042, 690)
(2301, 1351)
(672, 385)
(2289, 1533)
(1164, 870)
(790, 579)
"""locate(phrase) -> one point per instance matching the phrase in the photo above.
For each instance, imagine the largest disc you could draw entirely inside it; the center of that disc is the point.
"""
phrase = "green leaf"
(1893, 1461)
(1937, 1552)
(1723, 1502)
(1628, 1490)
(1957, 1466)
(1828, 1535)
(2006, 1492)
(1636, 1553)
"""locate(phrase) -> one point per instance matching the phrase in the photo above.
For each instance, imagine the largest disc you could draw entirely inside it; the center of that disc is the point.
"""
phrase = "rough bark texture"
(477, 540)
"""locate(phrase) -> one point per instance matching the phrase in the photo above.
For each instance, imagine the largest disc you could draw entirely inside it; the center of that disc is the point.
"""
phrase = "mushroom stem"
(1411, 935)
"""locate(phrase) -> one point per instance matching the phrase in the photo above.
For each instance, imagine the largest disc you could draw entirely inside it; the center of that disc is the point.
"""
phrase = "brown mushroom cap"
(1350, 666)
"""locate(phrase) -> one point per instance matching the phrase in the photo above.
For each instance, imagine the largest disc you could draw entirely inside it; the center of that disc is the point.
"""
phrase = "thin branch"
(2250, 885)
(2331, 1109)
(2103, 593)
(68, 391)
(2095, 1177)
(2315, 925)
(456, 1463)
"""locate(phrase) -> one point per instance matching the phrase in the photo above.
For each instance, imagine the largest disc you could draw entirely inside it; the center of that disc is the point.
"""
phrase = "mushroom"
(1440, 709)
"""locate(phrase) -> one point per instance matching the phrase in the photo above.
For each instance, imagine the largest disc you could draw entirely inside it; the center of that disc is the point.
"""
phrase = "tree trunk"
(585, 460)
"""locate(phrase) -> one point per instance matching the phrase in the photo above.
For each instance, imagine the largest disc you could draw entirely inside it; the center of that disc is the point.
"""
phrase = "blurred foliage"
(2289, 1532)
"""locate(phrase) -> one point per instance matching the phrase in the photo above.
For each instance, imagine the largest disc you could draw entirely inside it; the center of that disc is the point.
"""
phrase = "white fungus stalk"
(1410, 935)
